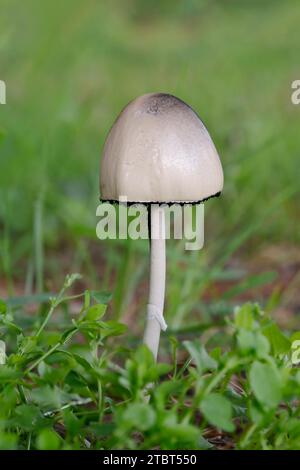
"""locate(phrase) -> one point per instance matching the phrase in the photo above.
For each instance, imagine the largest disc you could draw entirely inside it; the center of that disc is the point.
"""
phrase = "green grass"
(57, 393)
(69, 69)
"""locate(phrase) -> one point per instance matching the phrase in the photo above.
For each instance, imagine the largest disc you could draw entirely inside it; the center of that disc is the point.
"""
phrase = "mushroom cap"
(158, 150)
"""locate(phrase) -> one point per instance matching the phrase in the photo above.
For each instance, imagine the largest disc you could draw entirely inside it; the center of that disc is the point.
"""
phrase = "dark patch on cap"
(160, 103)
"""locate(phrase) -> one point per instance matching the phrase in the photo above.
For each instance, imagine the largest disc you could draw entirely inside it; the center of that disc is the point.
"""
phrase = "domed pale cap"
(158, 150)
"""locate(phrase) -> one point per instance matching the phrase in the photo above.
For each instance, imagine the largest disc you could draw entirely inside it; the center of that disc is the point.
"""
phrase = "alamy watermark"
(2, 92)
(295, 96)
(122, 221)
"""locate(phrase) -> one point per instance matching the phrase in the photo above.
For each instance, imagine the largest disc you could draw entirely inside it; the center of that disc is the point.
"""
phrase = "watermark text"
(123, 221)
(2, 92)
(295, 96)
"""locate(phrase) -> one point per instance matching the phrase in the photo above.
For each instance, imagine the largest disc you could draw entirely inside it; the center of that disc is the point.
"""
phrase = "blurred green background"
(70, 66)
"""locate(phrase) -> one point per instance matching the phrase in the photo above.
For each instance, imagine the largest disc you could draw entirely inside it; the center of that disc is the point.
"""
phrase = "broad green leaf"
(246, 341)
(102, 429)
(295, 336)
(216, 354)
(262, 345)
(83, 362)
(139, 415)
(157, 370)
(48, 439)
(2, 307)
(45, 397)
(256, 413)
(75, 380)
(28, 417)
(95, 312)
(202, 360)
(67, 335)
(112, 328)
(8, 441)
(185, 434)
(163, 391)
(265, 383)
(8, 374)
(72, 423)
(243, 317)
(280, 344)
(293, 427)
(252, 342)
(218, 411)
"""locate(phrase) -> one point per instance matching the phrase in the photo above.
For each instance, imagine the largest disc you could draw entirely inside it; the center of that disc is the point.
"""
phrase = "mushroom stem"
(155, 320)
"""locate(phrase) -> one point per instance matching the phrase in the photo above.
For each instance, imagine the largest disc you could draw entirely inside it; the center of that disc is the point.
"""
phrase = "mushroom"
(159, 152)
